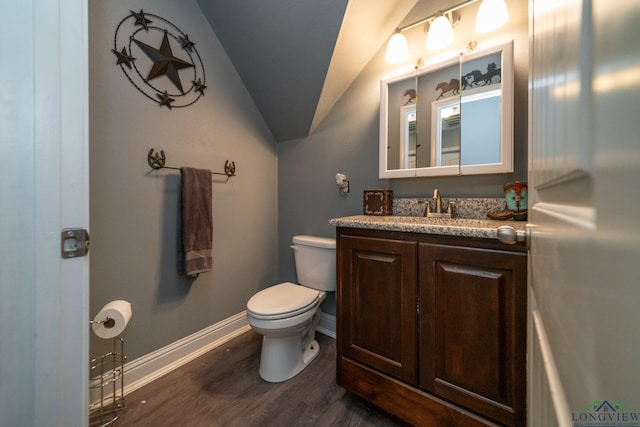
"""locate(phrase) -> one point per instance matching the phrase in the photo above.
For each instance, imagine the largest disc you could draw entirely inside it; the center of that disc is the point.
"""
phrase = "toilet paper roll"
(112, 319)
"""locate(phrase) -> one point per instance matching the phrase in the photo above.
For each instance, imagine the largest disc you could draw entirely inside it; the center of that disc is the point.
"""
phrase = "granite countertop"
(464, 227)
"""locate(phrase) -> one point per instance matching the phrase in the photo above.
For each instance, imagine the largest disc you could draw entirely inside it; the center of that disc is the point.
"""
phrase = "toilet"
(287, 314)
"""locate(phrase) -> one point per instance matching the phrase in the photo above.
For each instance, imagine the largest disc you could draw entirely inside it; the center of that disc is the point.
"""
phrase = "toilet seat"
(281, 301)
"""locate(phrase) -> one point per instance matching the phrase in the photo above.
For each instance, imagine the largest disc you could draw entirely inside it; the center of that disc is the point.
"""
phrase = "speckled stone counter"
(408, 216)
(463, 227)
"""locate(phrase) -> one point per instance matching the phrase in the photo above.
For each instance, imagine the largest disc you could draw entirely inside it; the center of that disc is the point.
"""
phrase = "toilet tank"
(315, 259)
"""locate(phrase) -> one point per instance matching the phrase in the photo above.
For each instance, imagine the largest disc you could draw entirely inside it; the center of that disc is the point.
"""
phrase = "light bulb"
(440, 33)
(492, 14)
(397, 49)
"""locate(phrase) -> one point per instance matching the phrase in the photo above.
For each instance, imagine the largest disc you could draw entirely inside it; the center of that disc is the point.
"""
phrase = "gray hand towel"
(197, 221)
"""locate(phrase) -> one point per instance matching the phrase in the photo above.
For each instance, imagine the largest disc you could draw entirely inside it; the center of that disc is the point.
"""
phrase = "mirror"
(408, 136)
(450, 118)
(445, 132)
(400, 152)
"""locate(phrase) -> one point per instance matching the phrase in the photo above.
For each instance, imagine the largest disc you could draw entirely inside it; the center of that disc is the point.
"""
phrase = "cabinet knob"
(509, 235)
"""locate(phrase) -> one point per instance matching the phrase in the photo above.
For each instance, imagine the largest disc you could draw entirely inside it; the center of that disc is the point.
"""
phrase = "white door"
(584, 363)
(44, 188)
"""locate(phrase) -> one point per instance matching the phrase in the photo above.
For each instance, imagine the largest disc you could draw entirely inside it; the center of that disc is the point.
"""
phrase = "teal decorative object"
(516, 196)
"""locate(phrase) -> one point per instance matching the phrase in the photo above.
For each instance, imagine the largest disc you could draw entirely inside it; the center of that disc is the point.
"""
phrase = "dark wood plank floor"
(223, 388)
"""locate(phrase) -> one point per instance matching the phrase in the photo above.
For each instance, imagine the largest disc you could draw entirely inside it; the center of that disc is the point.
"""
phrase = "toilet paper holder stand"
(106, 387)
(108, 322)
(107, 384)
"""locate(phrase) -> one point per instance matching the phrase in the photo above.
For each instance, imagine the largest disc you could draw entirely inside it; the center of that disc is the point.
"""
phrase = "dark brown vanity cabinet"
(379, 320)
(432, 329)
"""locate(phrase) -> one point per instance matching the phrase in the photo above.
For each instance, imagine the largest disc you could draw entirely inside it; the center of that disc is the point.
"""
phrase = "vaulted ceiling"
(297, 57)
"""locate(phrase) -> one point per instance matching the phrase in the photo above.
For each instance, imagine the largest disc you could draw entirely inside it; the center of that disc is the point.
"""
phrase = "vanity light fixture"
(397, 49)
(440, 32)
(492, 14)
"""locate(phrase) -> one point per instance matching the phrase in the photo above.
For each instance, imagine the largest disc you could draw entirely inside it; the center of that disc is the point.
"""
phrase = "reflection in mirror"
(405, 122)
(435, 84)
(481, 97)
(408, 136)
(450, 118)
(486, 111)
(481, 128)
(402, 104)
(445, 131)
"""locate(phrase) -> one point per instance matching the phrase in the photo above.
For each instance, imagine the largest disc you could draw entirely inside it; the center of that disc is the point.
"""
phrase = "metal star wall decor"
(159, 60)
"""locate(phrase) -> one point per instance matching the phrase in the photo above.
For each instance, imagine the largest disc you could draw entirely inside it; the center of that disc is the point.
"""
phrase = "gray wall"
(347, 142)
(134, 210)
(280, 190)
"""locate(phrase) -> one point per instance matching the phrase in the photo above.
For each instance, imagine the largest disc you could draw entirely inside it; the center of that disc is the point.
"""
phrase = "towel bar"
(158, 160)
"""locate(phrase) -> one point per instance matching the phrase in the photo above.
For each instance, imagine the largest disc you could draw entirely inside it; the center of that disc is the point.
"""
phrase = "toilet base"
(283, 358)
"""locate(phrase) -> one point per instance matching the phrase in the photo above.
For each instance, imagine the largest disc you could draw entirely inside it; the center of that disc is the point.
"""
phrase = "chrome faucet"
(438, 210)
(438, 200)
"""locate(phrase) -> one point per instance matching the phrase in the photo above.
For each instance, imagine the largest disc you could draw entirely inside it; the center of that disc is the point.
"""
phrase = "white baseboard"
(152, 366)
(327, 325)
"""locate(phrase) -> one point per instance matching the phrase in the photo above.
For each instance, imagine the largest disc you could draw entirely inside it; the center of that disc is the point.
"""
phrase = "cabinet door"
(377, 292)
(472, 329)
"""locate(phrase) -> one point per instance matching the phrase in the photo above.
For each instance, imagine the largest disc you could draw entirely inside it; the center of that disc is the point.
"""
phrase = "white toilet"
(287, 314)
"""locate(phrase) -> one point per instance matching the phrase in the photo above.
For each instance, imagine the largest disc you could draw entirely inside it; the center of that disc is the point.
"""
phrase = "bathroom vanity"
(431, 319)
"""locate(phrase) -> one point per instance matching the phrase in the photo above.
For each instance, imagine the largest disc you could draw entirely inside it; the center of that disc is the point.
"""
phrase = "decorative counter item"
(378, 202)
(516, 196)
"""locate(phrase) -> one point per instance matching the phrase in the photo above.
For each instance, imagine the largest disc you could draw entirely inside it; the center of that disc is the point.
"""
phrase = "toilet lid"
(283, 300)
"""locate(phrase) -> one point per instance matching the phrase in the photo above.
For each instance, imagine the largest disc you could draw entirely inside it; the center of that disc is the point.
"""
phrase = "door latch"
(74, 242)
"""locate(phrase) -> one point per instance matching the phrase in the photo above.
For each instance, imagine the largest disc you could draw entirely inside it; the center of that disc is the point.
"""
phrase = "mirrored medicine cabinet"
(450, 118)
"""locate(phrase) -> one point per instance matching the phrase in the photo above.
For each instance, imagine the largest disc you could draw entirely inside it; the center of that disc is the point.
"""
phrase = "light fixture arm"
(492, 14)
(435, 15)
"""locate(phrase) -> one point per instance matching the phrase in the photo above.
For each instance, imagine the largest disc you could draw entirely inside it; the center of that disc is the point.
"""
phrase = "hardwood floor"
(223, 388)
